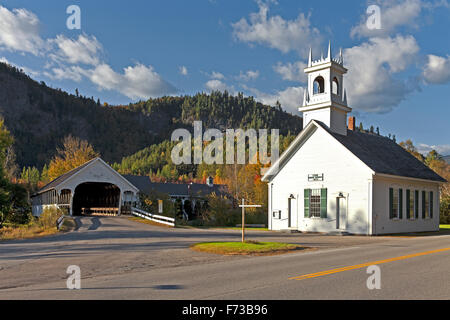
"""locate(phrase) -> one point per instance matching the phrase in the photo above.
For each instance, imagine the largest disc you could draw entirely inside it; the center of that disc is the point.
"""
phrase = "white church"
(336, 179)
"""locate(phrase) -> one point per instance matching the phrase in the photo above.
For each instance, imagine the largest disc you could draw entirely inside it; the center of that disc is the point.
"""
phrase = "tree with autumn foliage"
(74, 153)
(436, 163)
(409, 146)
(14, 205)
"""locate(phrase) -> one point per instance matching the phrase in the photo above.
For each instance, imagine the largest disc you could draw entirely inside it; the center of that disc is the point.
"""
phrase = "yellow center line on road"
(358, 266)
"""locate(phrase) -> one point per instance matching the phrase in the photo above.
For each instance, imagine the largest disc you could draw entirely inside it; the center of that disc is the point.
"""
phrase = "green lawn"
(444, 226)
(246, 248)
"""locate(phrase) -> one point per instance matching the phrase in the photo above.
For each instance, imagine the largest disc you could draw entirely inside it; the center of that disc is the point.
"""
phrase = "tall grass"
(44, 225)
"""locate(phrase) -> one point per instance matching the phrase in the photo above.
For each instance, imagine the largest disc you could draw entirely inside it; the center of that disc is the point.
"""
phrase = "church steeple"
(329, 51)
(325, 99)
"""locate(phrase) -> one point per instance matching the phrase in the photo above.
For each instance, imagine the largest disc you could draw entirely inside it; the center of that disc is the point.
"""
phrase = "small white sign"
(160, 206)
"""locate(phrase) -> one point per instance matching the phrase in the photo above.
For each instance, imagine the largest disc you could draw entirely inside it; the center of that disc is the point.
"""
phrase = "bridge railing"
(153, 217)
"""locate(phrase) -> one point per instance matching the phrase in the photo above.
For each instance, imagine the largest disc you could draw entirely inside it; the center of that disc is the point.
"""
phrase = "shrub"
(445, 211)
(48, 217)
(149, 203)
(220, 212)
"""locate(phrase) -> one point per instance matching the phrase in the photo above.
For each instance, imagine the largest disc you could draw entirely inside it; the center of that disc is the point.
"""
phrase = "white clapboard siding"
(343, 172)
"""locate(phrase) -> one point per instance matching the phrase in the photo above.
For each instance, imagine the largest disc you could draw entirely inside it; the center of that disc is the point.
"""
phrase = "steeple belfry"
(325, 99)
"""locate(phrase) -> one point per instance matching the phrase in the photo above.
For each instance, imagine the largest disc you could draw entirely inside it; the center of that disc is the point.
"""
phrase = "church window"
(410, 204)
(431, 204)
(394, 203)
(425, 205)
(315, 204)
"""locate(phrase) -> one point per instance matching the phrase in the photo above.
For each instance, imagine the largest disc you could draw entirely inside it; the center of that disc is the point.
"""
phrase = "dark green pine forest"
(131, 136)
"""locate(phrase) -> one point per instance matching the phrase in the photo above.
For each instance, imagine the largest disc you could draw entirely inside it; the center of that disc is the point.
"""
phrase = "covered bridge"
(94, 187)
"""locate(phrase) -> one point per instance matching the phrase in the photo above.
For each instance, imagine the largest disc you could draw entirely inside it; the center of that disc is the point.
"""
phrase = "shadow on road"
(95, 224)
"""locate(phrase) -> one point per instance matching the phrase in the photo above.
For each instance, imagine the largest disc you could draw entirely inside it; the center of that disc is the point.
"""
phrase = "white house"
(333, 178)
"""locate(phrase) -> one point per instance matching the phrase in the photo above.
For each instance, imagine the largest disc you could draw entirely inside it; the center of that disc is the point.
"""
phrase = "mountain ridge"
(39, 117)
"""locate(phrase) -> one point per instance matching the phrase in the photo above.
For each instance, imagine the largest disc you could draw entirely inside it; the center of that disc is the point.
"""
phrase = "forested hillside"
(40, 117)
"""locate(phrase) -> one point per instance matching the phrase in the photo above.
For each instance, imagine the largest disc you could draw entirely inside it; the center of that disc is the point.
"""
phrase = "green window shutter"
(408, 205)
(400, 203)
(423, 204)
(323, 203)
(431, 204)
(307, 197)
(416, 208)
(391, 203)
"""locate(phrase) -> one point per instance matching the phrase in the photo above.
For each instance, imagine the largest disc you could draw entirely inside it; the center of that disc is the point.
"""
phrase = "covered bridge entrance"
(96, 198)
(93, 188)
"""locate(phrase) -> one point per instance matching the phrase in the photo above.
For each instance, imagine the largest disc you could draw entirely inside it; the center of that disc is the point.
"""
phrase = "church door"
(341, 213)
(292, 212)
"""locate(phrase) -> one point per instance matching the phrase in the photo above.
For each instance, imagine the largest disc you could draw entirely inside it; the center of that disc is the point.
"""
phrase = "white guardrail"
(153, 217)
(60, 221)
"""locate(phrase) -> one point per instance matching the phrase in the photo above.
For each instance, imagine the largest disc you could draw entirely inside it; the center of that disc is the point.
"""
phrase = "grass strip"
(246, 248)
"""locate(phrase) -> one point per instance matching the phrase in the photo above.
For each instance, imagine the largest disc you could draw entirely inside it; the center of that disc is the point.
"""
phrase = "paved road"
(122, 259)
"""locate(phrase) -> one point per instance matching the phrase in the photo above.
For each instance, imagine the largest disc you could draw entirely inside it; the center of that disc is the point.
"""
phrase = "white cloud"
(73, 73)
(218, 85)
(443, 149)
(371, 85)
(136, 82)
(290, 98)
(19, 31)
(217, 75)
(276, 32)
(393, 14)
(249, 75)
(292, 71)
(85, 50)
(437, 69)
(183, 70)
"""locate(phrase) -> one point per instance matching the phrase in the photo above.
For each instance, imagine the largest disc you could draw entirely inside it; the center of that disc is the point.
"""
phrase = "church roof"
(380, 154)
(383, 155)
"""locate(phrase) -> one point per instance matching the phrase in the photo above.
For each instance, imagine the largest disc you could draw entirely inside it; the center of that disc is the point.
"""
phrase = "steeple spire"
(329, 51)
(310, 57)
(341, 57)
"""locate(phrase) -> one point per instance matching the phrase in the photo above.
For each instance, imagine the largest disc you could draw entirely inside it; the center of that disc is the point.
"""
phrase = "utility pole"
(243, 206)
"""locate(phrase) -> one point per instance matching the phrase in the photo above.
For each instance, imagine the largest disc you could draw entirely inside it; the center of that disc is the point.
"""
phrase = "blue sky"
(398, 80)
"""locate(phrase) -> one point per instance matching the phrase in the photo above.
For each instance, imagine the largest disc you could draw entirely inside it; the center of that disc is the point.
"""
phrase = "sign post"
(243, 206)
